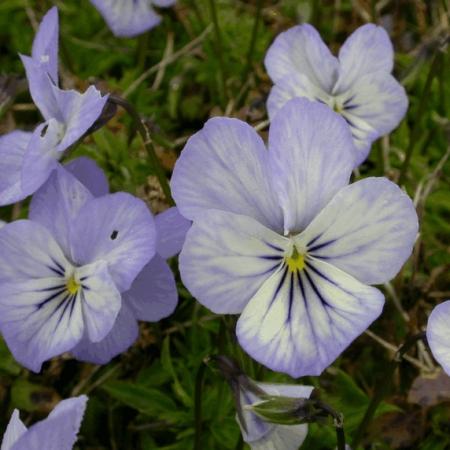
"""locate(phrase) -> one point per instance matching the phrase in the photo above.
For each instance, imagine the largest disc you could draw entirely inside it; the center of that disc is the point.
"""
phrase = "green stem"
(338, 420)
(415, 133)
(145, 134)
(223, 87)
(383, 388)
(198, 406)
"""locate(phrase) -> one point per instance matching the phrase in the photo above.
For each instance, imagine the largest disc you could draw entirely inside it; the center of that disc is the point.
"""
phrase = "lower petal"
(300, 322)
(438, 335)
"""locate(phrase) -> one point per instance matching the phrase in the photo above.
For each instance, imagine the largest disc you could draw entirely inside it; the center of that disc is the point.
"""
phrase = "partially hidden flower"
(357, 84)
(57, 432)
(438, 335)
(28, 158)
(128, 18)
(262, 435)
(78, 275)
(280, 238)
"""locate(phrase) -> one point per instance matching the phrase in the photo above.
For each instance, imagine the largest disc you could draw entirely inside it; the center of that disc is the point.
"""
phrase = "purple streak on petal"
(226, 258)
(153, 294)
(171, 228)
(88, 172)
(438, 336)
(300, 50)
(368, 50)
(45, 44)
(41, 89)
(367, 230)
(57, 204)
(126, 18)
(225, 166)
(12, 150)
(57, 432)
(300, 322)
(119, 229)
(38, 319)
(124, 332)
(78, 112)
(14, 431)
(40, 158)
(312, 155)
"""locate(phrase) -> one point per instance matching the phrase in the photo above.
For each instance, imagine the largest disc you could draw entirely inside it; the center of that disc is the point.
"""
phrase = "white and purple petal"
(367, 230)
(438, 334)
(300, 322)
(227, 257)
(225, 166)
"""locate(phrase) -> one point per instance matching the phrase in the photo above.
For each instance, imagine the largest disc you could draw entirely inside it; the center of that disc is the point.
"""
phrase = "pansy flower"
(261, 435)
(357, 84)
(438, 335)
(128, 18)
(281, 238)
(57, 432)
(27, 159)
(80, 272)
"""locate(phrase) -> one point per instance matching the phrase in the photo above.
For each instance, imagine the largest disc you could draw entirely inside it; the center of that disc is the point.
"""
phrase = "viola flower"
(79, 273)
(438, 336)
(280, 238)
(357, 84)
(57, 432)
(261, 435)
(128, 18)
(27, 159)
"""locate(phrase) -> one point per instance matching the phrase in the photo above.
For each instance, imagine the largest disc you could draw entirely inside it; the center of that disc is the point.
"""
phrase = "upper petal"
(368, 230)
(14, 430)
(438, 336)
(57, 204)
(301, 50)
(225, 166)
(12, 150)
(45, 44)
(119, 229)
(88, 172)
(153, 294)
(312, 155)
(126, 18)
(300, 322)
(367, 50)
(227, 257)
(171, 228)
(57, 432)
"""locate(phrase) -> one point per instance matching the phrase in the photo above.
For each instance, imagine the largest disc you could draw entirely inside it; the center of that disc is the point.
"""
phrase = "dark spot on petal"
(44, 130)
(114, 235)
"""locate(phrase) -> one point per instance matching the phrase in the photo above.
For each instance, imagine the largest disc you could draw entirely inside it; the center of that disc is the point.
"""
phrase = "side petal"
(312, 156)
(88, 172)
(301, 50)
(57, 203)
(57, 432)
(78, 111)
(127, 19)
(438, 336)
(367, 230)
(100, 299)
(153, 294)
(367, 50)
(374, 106)
(300, 322)
(39, 318)
(121, 337)
(12, 150)
(119, 229)
(226, 258)
(225, 166)
(14, 431)
(171, 228)
(45, 44)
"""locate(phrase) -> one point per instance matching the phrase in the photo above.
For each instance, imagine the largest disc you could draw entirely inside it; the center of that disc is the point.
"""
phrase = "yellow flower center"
(295, 262)
(72, 285)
